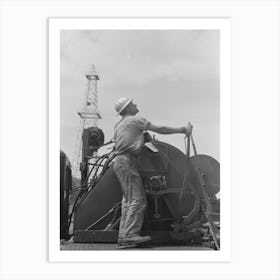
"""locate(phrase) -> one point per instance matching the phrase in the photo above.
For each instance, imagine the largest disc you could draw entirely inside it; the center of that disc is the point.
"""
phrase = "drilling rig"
(89, 137)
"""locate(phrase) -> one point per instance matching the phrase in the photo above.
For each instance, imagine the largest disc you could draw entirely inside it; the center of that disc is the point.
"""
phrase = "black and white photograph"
(140, 139)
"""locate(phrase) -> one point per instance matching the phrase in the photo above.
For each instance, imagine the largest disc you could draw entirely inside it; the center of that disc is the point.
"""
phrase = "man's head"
(125, 106)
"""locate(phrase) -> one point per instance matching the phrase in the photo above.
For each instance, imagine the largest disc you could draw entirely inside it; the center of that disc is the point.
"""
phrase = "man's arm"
(169, 130)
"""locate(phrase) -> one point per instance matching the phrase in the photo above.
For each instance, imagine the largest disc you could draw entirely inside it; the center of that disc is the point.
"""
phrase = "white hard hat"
(122, 103)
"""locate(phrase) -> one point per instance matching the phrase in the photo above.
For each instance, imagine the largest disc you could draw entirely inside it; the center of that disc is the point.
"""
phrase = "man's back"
(129, 134)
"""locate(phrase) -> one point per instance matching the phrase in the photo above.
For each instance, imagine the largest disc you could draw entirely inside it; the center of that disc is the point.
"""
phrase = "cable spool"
(164, 171)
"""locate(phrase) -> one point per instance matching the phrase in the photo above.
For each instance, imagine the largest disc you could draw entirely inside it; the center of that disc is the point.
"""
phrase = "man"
(129, 140)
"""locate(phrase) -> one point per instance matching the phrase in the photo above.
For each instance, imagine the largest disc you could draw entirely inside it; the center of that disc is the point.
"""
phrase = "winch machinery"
(181, 190)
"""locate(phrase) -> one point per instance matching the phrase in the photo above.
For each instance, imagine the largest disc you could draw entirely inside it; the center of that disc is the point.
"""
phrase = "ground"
(72, 246)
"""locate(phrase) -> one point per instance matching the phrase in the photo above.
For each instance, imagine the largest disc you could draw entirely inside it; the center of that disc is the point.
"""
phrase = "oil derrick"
(89, 135)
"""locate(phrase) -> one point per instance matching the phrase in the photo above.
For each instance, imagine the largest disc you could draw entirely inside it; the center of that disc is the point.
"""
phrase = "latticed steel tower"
(89, 115)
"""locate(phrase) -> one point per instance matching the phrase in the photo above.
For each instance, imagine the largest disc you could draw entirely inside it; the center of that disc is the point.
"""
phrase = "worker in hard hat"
(129, 140)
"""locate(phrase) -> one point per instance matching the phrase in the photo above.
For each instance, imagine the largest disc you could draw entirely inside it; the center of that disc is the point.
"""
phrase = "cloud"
(141, 56)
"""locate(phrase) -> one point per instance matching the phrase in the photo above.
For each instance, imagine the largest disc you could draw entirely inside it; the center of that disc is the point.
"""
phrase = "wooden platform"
(158, 237)
(71, 246)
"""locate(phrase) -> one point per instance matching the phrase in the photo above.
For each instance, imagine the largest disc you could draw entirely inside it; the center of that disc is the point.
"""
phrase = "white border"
(55, 25)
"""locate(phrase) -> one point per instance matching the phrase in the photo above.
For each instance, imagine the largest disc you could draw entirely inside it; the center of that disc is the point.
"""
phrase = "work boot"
(131, 242)
(122, 245)
(134, 239)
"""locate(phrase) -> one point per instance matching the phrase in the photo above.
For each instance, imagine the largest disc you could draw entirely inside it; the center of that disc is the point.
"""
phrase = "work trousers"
(134, 197)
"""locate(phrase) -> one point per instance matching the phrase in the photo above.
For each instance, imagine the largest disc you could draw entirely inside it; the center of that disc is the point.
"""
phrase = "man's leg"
(123, 218)
(134, 195)
(120, 167)
(136, 206)
(135, 211)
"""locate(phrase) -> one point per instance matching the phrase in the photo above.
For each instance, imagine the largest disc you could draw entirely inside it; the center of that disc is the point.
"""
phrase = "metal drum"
(172, 187)
(97, 202)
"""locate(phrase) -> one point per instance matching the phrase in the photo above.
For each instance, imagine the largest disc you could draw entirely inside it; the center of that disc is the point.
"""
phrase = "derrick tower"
(89, 116)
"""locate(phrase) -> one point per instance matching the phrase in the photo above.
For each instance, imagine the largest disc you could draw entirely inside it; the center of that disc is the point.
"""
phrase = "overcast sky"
(173, 76)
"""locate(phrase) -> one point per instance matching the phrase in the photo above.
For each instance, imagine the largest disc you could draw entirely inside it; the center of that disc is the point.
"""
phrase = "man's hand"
(189, 128)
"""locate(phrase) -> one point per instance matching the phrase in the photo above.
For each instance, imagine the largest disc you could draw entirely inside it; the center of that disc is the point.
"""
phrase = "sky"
(172, 75)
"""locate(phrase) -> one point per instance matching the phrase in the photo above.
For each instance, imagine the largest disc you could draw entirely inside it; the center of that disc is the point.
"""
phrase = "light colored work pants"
(134, 197)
